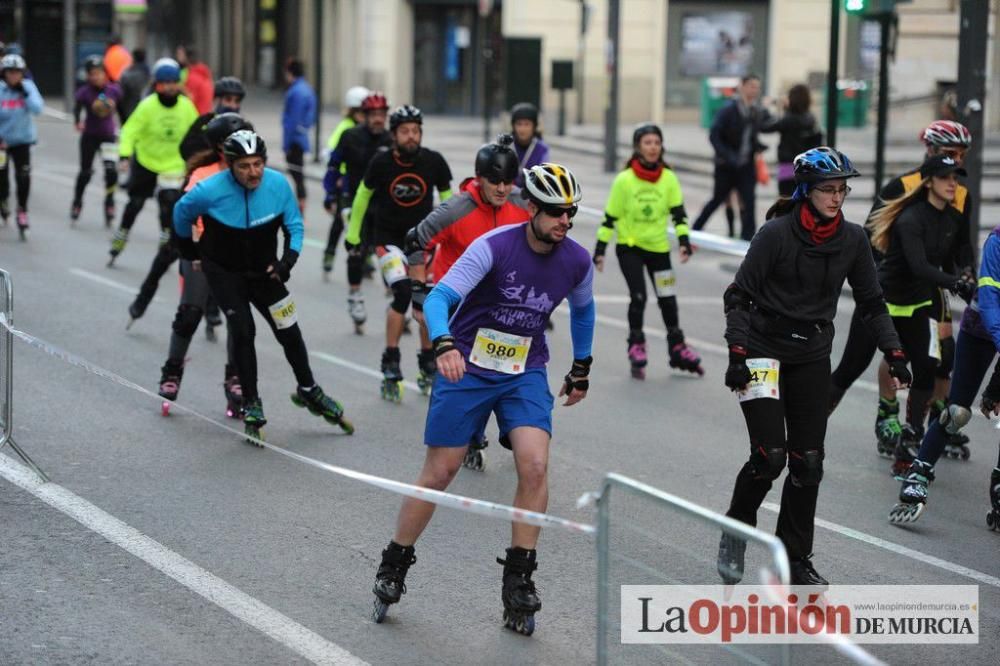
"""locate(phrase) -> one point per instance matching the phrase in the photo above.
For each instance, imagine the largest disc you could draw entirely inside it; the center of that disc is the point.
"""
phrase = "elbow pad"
(735, 299)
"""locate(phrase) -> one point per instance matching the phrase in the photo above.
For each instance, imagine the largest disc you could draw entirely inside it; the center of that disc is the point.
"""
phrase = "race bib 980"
(500, 352)
(763, 379)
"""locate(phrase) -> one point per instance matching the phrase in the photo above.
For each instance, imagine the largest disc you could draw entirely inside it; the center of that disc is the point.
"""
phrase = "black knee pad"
(806, 467)
(638, 298)
(402, 293)
(186, 320)
(767, 463)
(943, 370)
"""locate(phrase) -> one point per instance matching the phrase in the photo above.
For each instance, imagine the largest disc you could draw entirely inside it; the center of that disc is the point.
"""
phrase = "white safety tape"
(460, 502)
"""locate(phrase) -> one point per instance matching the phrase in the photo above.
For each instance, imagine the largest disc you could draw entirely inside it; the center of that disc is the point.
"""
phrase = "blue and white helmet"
(13, 61)
(166, 70)
(818, 164)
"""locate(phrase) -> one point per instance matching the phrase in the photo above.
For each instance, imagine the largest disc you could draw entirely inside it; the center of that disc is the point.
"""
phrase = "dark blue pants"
(973, 357)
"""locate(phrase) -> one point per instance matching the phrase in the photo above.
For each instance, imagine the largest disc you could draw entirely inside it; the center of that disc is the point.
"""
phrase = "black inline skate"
(730, 562)
(234, 393)
(637, 358)
(320, 404)
(519, 596)
(474, 454)
(682, 356)
(912, 494)
(118, 242)
(390, 580)
(956, 444)
(993, 517)
(428, 369)
(906, 451)
(254, 421)
(170, 384)
(392, 376)
(887, 427)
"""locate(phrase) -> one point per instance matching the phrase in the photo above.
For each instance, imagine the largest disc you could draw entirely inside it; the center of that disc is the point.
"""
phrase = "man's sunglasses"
(497, 180)
(559, 211)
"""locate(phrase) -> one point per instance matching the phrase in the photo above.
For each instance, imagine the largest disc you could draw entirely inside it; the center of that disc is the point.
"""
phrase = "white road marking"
(237, 603)
(951, 567)
(108, 282)
(357, 367)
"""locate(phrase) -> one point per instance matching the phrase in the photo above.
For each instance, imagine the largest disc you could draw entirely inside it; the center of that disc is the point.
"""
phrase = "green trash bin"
(853, 102)
(715, 92)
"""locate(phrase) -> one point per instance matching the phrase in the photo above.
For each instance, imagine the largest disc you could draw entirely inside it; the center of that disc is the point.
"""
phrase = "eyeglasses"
(831, 191)
(559, 211)
(954, 153)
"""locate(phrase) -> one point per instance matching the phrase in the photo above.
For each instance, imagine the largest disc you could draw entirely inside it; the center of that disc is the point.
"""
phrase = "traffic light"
(872, 6)
(855, 6)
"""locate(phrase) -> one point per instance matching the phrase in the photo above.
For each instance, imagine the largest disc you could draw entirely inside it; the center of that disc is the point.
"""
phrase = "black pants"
(141, 186)
(915, 335)
(236, 293)
(21, 157)
(793, 429)
(90, 145)
(742, 179)
(295, 159)
(633, 261)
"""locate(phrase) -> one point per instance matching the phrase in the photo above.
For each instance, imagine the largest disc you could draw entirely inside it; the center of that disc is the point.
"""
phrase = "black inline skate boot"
(912, 494)
(390, 580)
(427, 363)
(320, 404)
(803, 573)
(993, 517)
(682, 356)
(392, 376)
(732, 550)
(519, 596)
(234, 393)
(474, 455)
(906, 451)
(887, 427)
(170, 384)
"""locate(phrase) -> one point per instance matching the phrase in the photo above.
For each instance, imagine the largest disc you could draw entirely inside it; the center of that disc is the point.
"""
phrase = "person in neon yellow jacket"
(152, 135)
(643, 196)
(353, 116)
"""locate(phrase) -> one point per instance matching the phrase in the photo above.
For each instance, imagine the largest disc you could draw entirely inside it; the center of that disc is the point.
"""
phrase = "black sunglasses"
(559, 211)
(497, 180)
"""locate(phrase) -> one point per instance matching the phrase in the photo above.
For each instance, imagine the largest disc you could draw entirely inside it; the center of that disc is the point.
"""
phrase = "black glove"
(685, 242)
(896, 360)
(578, 377)
(187, 248)
(737, 374)
(443, 344)
(352, 249)
(599, 250)
(281, 270)
(991, 395)
(328, 201)
(964, 287)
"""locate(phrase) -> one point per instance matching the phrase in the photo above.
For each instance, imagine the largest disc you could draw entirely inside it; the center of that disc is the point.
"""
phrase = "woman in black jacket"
(925, 250)
(799, 132)
(779, 327)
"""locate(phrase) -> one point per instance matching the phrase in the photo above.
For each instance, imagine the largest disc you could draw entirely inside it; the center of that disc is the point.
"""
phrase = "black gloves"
(599, 250)
(685, 242)
(896, 360)
(352, 249)
(578, 378)
(737, 374)
(280, 270)
(964, 287)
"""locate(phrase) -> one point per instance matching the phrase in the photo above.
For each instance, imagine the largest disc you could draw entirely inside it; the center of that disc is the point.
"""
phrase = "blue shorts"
(460, 410)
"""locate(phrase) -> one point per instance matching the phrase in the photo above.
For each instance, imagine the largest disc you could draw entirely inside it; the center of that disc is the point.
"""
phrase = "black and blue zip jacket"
(240, 225)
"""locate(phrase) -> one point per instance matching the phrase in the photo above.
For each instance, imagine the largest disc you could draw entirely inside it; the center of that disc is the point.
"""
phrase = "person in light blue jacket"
(19, 101)
(297, 117)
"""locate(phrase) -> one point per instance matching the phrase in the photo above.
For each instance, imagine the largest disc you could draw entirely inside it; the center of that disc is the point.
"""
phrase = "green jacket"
(638, 211)
(154, 133)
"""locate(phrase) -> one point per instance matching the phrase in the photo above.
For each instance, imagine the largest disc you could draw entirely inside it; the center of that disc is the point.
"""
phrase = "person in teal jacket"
(19, 102)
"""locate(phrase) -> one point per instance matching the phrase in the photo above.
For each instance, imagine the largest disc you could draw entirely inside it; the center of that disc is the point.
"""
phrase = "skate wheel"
(359, 329)
(993, 520)
(379, 611)
(638, 373)
(966, 453)
(165, 408)
(255, 432)
(905, 513)
(343, 423)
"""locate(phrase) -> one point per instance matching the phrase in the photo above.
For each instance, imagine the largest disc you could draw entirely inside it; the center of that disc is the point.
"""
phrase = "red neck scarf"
(819, 231)
(652, 175)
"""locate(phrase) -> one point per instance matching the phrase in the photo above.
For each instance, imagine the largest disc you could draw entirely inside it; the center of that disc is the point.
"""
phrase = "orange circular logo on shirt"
(407, 189)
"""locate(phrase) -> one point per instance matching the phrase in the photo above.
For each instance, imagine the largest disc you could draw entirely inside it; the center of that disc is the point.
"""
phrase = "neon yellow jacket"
(640, 210)
(344, 125)
(154, 133)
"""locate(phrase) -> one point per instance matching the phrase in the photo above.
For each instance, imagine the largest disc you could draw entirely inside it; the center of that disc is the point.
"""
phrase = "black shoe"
(730, 563)
(803, 573)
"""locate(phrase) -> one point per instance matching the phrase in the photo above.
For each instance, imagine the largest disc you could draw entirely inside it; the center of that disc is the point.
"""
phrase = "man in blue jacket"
(19, 101)
(734, 138)
(297, 117)
(241, 210)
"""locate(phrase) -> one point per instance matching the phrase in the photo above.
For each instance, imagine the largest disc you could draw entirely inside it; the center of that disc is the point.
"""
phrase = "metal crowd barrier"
(7, 373)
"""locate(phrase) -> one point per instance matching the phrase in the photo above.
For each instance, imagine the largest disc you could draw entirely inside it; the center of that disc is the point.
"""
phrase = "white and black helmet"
(13, 61)
(243, 143)
(405, 114)
(550, 184)
(354, 96)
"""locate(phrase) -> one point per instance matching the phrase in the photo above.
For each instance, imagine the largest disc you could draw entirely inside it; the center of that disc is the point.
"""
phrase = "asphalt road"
(282, 554)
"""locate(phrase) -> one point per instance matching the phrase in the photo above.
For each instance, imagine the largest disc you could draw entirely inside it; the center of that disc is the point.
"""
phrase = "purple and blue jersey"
(501, 284)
